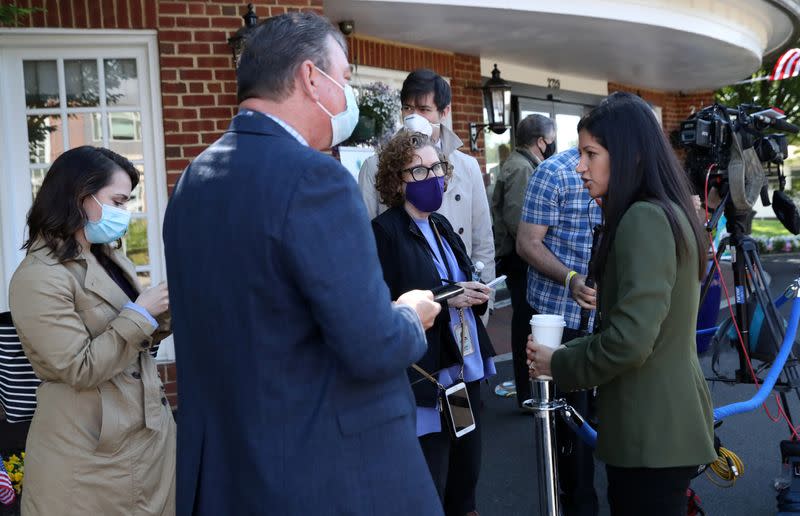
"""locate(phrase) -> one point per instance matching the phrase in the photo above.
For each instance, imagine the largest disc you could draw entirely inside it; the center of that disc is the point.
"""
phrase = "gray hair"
(276, 47)
(533, 127)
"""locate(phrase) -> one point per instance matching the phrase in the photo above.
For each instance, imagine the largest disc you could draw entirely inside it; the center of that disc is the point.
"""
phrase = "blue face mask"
(342, 124)
(113, 225)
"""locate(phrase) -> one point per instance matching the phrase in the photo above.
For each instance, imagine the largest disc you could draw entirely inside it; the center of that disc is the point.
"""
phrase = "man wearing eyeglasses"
(465, 204)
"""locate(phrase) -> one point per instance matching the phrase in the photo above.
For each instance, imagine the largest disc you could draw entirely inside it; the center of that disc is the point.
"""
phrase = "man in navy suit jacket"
(292, 359)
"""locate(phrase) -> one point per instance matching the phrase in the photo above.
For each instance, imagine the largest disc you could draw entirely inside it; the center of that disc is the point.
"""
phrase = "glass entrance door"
(566, 117)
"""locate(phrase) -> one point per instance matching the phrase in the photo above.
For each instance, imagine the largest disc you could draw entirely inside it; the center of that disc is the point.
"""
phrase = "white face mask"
(418, 124)
(342, 124)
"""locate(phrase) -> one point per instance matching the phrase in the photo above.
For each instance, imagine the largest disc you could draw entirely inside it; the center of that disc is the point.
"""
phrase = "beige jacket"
(465, 203)
(102, 440)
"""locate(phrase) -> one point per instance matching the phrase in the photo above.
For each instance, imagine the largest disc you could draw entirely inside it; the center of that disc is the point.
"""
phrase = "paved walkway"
(500, 330)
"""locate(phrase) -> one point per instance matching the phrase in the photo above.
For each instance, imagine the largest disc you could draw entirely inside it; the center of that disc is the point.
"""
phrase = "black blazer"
(408, 264)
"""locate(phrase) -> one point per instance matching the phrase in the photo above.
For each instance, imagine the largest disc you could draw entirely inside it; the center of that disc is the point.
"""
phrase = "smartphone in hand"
(496, 281)
(445, 292)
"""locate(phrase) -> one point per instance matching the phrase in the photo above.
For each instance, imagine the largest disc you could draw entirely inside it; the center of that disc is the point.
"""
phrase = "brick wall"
(169, 377)
(198, 80)
(675, 107)
(464, 72)
(91, 14)
(468, 100)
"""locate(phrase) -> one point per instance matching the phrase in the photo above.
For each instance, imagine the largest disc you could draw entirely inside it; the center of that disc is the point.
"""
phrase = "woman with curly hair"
(419, 249)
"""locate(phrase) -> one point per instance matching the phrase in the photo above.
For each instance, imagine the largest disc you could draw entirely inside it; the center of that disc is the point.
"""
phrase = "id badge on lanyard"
(460, 329)
(461, 332)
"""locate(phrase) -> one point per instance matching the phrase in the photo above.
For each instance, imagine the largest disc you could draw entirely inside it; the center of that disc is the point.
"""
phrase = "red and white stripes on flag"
(788, 65)
(7, 494)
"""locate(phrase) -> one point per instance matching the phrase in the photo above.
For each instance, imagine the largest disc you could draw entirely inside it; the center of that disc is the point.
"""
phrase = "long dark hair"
(643, 168)
(57, 211)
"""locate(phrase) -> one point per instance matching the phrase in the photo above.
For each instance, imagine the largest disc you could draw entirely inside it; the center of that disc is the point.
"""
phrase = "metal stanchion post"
(544, 409)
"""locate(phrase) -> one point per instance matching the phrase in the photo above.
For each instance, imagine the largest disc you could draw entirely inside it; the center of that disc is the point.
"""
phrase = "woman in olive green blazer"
(654, 408)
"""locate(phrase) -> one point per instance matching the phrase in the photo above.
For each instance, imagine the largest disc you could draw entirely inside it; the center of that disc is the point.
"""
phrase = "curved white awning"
(665, 45)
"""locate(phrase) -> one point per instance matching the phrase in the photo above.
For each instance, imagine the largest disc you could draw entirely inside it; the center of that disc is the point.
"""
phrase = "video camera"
(731, 146)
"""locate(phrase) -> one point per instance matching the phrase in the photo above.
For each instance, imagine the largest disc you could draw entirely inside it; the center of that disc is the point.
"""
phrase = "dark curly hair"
(394, 157)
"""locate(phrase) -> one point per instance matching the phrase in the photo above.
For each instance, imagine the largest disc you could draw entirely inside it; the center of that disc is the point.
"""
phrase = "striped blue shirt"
(556, 198)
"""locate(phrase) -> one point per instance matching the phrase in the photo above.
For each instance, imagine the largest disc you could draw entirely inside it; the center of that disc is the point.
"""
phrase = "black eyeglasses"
(421, 172)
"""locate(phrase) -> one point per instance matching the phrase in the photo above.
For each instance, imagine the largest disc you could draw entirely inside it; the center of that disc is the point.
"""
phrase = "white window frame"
(15, 195)
(366, 74)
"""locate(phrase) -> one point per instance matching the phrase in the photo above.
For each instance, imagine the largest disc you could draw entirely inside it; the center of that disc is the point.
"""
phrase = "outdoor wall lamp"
(236, 42)
(497, 102)
(347, 27)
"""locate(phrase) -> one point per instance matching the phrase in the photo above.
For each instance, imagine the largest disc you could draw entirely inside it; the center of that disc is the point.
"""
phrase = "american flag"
(7, 495)
(787, 66)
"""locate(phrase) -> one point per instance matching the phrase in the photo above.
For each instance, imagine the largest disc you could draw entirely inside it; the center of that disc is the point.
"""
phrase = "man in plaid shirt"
(555, 238)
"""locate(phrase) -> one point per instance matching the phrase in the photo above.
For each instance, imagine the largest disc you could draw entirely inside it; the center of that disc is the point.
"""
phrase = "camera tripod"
(750, 281)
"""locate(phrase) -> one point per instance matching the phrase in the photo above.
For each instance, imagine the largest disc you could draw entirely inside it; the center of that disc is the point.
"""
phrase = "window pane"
(41, 84)
(566, 131)
(122, 85)
(125, 134)
(37, 176)
(81, 80)
(137, 202)
(135, 242)
(45, 140)
(524, 113)
(84, 129)
(492, 143)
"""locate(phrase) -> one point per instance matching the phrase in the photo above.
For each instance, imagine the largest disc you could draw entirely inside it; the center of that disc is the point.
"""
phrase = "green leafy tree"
(11, 15)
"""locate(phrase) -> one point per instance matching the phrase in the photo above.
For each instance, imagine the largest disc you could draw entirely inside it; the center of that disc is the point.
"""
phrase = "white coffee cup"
(547, 330)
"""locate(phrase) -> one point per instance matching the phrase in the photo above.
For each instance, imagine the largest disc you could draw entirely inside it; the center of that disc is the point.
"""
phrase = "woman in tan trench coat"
(102, 440)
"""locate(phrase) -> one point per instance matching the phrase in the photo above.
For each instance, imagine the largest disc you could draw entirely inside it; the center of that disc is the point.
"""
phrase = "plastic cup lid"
(548, 320)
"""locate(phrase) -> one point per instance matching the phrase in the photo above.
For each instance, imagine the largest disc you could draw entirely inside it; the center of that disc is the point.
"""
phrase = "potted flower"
(379, 107)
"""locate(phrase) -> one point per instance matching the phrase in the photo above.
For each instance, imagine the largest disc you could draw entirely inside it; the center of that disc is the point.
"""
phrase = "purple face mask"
(426, 195)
